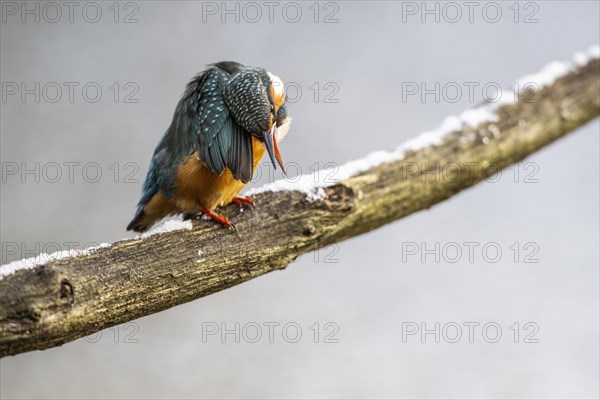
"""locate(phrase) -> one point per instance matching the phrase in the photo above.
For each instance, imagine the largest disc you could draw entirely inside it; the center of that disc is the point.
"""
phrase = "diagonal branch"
(42, 306)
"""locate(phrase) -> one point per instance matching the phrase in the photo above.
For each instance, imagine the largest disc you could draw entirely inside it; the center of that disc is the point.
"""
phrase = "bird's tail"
(141, 222)
(148, 213)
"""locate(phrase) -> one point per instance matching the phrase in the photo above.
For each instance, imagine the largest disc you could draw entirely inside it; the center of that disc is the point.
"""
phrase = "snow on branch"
(51, 300)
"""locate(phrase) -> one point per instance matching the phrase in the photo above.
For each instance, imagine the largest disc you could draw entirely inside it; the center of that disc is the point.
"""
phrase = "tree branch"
(65, 299)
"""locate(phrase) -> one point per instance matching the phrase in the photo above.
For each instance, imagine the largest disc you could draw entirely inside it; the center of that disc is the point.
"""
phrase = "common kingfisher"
(226, 118)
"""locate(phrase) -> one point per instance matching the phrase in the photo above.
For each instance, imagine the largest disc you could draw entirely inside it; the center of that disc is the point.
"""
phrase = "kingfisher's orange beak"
(270, 139)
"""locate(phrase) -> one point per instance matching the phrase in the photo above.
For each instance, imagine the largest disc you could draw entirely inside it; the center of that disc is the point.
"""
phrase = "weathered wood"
(73, 297)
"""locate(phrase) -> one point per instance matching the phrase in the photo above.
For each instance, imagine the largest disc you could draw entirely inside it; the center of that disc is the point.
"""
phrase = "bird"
(228, 116)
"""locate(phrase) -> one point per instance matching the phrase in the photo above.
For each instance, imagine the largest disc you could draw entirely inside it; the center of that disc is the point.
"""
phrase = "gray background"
(367, 291)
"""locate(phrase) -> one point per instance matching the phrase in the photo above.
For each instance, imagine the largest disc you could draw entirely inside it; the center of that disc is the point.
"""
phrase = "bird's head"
(256, 99)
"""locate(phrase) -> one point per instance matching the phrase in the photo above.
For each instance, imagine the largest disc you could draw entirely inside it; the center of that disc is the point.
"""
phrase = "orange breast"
(195, 183)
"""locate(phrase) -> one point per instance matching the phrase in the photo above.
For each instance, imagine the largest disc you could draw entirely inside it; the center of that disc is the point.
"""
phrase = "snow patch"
(546, 76)
(42, 259)
(583, 57)
(168, 225)
(556, 69)
(316, 194)
(310, 183)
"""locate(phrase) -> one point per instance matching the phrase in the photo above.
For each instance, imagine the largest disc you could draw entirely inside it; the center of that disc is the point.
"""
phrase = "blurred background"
(89, 88)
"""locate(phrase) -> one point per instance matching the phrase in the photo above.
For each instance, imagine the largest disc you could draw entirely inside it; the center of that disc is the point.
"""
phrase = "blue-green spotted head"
(256, 99)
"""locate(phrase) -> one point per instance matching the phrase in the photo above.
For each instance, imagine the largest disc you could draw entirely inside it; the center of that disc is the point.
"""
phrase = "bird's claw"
(231, 226)
(220, 218)
(244, 200)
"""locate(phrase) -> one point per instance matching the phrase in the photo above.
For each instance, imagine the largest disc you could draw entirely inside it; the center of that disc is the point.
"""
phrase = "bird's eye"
(272, 107)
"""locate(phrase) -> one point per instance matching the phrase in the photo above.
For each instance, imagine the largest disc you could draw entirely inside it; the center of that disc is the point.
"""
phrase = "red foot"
(220, 218)
(243, 200)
